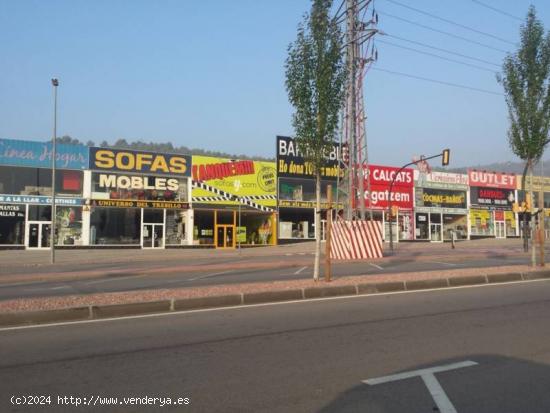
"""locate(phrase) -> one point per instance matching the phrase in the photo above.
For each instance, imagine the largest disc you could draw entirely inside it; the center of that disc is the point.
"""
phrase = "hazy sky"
(210, 74)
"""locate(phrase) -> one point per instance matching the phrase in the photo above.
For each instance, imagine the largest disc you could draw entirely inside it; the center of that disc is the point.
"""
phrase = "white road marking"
(444, 263)
(103, 280)
(428, 376)
(376, 266)
(209, 275)
(246, 306)
(300, 270)
(60, 287)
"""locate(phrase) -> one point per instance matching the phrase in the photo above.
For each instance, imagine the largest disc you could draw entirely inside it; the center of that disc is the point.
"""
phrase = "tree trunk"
(524, 224)
(533, 243)
(317, 226)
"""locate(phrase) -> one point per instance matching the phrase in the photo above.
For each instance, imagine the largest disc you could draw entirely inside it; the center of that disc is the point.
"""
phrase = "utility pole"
(351, 113)
(55, 84)
(360, 54)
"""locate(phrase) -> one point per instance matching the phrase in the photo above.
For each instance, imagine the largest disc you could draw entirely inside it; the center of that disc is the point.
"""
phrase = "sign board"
(291, 163)
(126, 160)
(380, 181)
(39, 199)
(440, 198)
(491, 179)
(12, 211)
(119, 203)
(444, 180)
(253, 180)
(492, 197)
(39, 154)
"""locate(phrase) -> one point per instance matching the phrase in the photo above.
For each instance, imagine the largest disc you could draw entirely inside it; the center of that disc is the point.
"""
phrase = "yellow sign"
(139, 161)
(537, 182)
(253, 180)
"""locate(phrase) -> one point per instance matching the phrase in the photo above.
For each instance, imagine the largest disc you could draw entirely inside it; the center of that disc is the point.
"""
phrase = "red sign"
(383, 175)
(491, 179)
(222, 170)
(381, 178)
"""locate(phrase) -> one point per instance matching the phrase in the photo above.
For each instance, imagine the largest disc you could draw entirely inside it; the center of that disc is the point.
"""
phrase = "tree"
(315, 79)
(526, 81)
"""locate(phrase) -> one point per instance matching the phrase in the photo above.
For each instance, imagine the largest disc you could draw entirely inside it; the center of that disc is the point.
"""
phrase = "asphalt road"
(481, 349)
(195, 273)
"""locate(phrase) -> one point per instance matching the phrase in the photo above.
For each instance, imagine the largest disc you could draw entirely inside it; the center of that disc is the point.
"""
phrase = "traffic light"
(394, 210)
(528, 203)
(515, 207)
(446, 156)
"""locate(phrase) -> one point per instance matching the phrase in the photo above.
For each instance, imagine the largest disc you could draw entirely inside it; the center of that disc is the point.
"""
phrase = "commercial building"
(441, 206)
(234, 202)
(492, 196)
(296, 195)
(26, 190)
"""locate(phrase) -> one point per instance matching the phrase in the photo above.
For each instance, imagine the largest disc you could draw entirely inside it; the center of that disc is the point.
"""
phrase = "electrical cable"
(443, 32)
(497, 10)
(441, 82)
(450, 22)
(437, 56)
(443, 50)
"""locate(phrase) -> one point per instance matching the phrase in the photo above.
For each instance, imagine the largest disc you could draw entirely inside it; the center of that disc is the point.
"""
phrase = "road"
(216, 271)
(301, 357)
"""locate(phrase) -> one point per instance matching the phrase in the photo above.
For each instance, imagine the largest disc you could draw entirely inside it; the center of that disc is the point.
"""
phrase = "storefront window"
(175, 227)
(257, 229)
(456, 223)
(116, 226)
(153, 216)
(38, 181)
(203, 230)
(481, 222)
(12, 224)
(40, 213)
(296, 223)
(69, 225)
(422, 230)
(405, 225)
(292, 189)
(225, 217)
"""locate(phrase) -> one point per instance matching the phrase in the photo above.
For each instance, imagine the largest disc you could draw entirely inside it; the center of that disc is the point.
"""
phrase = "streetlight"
(55, 84)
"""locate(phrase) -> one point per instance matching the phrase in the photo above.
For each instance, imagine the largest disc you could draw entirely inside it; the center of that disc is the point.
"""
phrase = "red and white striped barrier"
(356, 240)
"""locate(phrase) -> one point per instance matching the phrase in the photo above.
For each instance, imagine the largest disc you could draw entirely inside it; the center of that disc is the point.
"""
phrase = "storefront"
(492, 196)
(138, 199)
(296, 191)
(233, 202)
(441, 206)
(541, 184)
(26, 194)
(378, 200)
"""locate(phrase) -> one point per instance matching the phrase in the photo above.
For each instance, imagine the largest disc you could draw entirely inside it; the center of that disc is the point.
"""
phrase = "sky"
(210, 74)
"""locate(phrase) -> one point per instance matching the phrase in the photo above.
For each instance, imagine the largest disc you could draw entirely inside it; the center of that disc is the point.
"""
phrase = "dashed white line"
(209, 275)
(450, 264)
(300, 270)
(116, 279)
(376, 266)
(60, 287)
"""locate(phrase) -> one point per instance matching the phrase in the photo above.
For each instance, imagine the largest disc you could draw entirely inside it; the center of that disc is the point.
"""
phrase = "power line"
(443, 50)
(444, 32)
(441, 82)
(437, 56)
(497, 10)
(451, 22)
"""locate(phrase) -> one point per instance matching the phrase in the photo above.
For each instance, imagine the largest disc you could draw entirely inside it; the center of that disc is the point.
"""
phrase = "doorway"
(38, 235)
(225, 236)
(500, 229)
(435, 230)
(152, 236)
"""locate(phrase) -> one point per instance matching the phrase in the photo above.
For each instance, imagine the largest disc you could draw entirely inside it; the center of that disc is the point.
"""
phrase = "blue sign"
(39, 154)
(39, 199)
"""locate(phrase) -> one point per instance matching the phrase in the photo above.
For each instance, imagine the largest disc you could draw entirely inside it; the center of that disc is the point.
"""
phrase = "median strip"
(250, 294)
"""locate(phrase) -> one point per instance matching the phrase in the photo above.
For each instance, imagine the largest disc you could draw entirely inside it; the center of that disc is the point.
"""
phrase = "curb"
(94, 312)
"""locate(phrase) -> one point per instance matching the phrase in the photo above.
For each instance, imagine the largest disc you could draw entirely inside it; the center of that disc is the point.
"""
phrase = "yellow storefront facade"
(234, 202)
